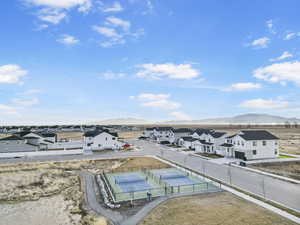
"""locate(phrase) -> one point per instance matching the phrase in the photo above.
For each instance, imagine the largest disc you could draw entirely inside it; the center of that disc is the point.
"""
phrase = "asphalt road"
(283, 192)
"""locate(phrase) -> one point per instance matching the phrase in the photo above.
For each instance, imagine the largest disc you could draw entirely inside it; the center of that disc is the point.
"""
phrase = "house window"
(106, 139)
(227, 149)
(264, 143)
(243, 143)
(254, 152)
(254, 143)
(238, 142)
(276, 143)
(276, 152)
(114, 138)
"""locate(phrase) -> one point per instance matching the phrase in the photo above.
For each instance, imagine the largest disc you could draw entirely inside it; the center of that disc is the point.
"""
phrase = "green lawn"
(286, 157)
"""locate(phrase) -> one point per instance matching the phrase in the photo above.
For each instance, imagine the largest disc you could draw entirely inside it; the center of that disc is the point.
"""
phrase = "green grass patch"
(286, 157)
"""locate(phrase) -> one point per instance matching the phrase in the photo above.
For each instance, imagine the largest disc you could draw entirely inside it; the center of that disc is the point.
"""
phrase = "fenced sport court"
(157, 182)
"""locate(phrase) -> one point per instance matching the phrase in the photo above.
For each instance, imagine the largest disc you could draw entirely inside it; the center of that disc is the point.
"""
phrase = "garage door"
(239, 155)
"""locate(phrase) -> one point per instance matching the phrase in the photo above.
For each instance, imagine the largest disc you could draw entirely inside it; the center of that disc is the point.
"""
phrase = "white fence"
(66, 145)
(40, 153)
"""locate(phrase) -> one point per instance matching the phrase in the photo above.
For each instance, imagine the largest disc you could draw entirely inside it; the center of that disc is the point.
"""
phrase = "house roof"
(227, 145)
(163, 128)
(249, 135)
(11, 138)
(200, 131)
(31, 138)
(182, 130)
(48, 134)
(231, 136)
(189, 138)
(217, 134)
(205, 143)
(95, 133)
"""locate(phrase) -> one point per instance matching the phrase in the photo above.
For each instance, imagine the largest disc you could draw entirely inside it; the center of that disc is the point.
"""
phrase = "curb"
(294, 181)
(245, 196)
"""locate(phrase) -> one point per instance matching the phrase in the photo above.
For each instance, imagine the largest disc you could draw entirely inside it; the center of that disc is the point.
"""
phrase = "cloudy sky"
(72, 61)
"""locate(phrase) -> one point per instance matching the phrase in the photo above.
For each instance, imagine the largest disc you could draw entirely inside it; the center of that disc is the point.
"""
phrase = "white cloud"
(162, 104)
(26, 102)
(280, 72)
(284, 55)
(180, 115)
(42, 27)
(264, 104)
(111, 75)
(160, 101)
(117, 22)
(11, 73)
(32, 92)
(169, 70)
(67, 40)
(116, 7)
(290, 36)
(108, 32)
(261, 42)
(6, 109)
(270, 26)
(50, 15)
(64, 4)
(243, 86)
(54, 11)
(152, 97)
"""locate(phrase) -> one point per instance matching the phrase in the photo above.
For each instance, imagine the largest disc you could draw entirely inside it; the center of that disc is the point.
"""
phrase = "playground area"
(148, 184)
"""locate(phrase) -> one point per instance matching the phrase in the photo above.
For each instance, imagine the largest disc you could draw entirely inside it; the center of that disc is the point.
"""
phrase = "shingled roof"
(182, 130)
(249, 135)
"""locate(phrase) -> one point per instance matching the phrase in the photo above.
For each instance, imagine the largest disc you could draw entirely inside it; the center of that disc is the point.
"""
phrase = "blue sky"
(73, 61)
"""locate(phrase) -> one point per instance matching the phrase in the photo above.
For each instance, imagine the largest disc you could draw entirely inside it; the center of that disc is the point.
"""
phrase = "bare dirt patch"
(138, 163)
(212, 209)
(129, 134)
(74, 136)
(46, 211)
(287, 169)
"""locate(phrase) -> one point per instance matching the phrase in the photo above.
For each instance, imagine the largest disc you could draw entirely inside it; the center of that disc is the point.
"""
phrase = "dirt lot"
(129, 134)
(287, 169)
(212, 209)
(74, 136)
(29, 191)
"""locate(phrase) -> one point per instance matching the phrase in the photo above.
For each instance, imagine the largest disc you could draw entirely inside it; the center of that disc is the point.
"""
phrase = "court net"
(129, 180)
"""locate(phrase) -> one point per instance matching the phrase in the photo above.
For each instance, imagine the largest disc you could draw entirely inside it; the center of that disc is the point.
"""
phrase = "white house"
(255, 144)
(148, 132)
(210, 141)
(188, 142)
(100, 140)
(181, 132)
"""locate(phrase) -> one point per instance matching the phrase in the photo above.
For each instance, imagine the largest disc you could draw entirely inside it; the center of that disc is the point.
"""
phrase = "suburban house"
(15, 143)
(100, 140)
(188, 142)
(148, 132)
(41, 138)
(160, 134)
(254, 144)
(181, 132)
(210, 141)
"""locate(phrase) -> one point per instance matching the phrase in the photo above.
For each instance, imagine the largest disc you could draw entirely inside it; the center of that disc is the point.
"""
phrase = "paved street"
(280, 191)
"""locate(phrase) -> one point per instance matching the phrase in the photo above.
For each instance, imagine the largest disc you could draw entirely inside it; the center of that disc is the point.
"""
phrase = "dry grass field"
(212, 209)
(31, 192)
(287, 169)
(74, 136)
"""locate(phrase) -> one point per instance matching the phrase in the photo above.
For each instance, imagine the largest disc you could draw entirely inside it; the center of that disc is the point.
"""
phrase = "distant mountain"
(121, 121)
(240, 119)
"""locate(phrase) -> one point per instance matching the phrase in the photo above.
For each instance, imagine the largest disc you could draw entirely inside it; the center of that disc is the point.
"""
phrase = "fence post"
(229, 174)
(263, 187)
(193, 187)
